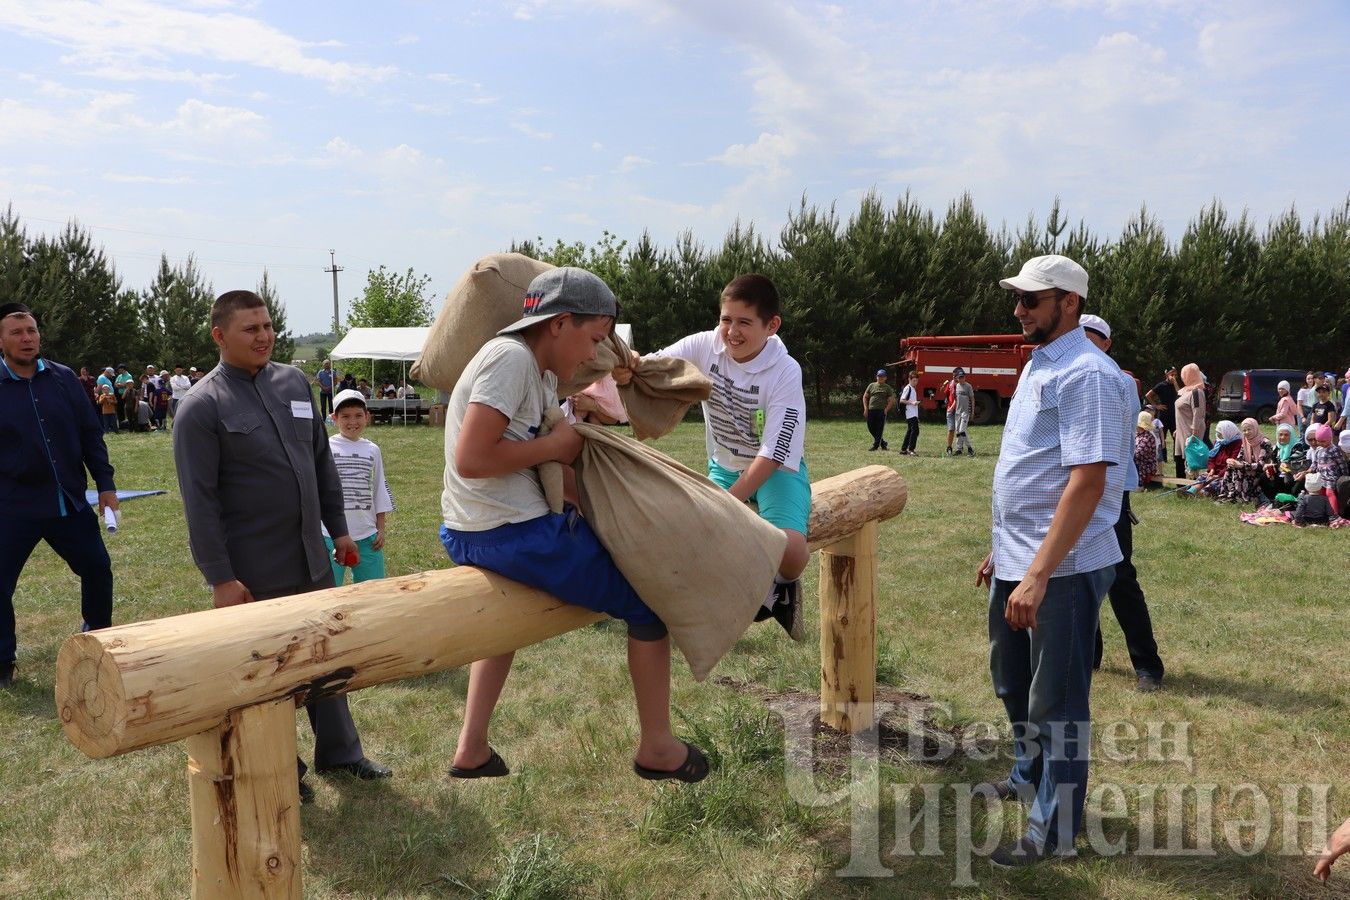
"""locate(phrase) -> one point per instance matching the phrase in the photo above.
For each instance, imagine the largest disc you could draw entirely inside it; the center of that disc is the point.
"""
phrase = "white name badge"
(302, 409)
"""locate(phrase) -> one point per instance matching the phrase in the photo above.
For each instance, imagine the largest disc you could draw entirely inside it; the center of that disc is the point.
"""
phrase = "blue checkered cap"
(566, 289)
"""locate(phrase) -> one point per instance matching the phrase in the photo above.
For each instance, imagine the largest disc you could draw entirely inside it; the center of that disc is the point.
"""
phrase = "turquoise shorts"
(784, 500)
(370, 568)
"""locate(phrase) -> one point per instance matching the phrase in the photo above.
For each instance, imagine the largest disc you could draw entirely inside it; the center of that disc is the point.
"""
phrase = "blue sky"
(427, 134)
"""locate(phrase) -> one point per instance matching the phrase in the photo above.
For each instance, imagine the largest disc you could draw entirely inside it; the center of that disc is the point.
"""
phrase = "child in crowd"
(107, 408)
(1313, 507)
(1323, 411)
(365, 493)
(755, 458)
(1145, 448)
(496, 516)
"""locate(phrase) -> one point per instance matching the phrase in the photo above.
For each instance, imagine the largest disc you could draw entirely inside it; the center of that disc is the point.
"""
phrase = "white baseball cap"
(1044, 272)
(1097, 324)
(348, 396)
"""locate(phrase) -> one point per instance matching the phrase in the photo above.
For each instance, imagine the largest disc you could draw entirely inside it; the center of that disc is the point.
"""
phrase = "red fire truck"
(992, 362)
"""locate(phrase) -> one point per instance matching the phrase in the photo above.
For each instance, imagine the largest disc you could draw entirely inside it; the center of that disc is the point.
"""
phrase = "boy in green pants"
(365, 496)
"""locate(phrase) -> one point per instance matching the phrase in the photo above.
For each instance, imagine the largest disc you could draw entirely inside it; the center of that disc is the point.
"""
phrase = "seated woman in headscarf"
(1227, 445)
(1255, 459)
(1281, 480)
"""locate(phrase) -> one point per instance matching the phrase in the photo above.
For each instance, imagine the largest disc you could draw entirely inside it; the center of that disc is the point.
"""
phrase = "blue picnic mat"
(91, 497)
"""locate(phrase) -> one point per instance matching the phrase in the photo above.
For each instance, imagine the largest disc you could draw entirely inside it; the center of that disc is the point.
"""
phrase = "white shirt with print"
(364, 491)
(771, 383)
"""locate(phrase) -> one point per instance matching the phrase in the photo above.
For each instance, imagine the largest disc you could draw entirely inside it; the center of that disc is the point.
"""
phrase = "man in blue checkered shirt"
(1057, 495)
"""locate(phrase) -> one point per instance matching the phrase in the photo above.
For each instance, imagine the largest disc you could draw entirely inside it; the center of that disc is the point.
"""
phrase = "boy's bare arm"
(753, 478)
(483, 451)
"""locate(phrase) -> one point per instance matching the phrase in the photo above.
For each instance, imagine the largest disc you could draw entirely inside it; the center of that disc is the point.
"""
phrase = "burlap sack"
(660, 393)
(485, 300)
(701, 559)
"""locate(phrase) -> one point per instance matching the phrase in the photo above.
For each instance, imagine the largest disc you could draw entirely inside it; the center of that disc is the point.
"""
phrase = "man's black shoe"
(885, 446)
(306, 793)
(363, 768)
(6, 675)
(871, 448)
(970, 451)
(1021, 852)
(788, 609)
(1147, 684)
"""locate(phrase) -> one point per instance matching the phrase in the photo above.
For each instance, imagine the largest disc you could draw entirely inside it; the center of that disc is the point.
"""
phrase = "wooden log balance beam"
(228, 680)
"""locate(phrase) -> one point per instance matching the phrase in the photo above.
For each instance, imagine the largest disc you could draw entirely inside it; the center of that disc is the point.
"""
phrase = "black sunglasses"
(1031, 301)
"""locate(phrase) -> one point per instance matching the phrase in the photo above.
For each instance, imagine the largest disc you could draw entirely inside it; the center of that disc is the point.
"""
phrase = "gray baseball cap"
(566, 289)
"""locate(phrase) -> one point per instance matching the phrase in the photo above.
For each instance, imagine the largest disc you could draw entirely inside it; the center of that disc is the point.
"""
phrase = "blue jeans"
(77, 540)
(1043, 676)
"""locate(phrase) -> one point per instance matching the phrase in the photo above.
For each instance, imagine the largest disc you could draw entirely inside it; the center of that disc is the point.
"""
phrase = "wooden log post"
(246, 805)
(848, 631)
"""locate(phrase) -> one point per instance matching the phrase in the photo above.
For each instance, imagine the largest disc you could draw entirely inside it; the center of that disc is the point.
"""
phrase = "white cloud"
(768, 152)
(205, 122)
(530, 131)
(632, 162)
(130, 32)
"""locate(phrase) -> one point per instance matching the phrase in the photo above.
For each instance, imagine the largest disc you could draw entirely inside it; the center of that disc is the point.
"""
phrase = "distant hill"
(307, 346)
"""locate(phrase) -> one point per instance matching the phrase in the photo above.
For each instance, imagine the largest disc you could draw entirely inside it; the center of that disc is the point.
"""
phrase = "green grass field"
(1251, 623)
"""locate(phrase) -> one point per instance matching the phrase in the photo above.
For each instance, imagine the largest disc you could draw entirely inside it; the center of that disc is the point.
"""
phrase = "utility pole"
(334, 268)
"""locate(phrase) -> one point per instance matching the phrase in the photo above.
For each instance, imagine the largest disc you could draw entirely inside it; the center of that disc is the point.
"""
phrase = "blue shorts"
(784, 499)
(557, 553)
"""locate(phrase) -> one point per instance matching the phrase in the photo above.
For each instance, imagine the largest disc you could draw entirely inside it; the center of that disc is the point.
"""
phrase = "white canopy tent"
(404, 344)
(401, 344)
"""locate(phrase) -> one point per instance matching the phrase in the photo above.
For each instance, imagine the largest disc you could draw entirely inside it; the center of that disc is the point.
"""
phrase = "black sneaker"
(6, 675)
(788, 609)
(885, 446)
(949, 451)
(970, 451)
(1021, 852)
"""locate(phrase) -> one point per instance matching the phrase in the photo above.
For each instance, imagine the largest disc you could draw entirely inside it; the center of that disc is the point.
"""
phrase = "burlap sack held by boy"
(702, 560)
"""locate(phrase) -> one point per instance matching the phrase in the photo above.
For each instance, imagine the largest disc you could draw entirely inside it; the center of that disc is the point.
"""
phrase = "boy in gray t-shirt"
(496, 517)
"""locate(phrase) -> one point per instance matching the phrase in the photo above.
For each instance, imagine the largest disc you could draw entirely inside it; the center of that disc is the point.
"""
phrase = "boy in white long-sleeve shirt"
(755, 425)
(365, 495)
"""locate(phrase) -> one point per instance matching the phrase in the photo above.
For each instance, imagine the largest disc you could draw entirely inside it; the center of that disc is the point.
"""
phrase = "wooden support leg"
(848, 631)
(246, 806)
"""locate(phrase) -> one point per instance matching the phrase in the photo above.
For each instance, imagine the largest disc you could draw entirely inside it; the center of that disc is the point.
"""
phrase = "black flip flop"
(495, 767)
(694, 769)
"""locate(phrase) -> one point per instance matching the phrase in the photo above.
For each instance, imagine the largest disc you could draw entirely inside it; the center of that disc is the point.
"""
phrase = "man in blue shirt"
(49, 435)
(1057, 496)
(325, 381)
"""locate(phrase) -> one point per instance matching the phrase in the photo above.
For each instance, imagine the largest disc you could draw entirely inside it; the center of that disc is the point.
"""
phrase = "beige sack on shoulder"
(701, 559)
(485, 300)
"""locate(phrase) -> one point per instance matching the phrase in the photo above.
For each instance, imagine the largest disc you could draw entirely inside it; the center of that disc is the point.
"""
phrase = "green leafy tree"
(392, 300)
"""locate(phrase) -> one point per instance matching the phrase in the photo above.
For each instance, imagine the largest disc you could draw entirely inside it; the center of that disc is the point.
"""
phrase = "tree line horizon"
(1225, 295)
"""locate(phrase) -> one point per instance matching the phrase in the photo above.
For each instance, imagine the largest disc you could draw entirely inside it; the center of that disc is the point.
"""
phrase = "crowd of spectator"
(1305, 469)
(124, 402)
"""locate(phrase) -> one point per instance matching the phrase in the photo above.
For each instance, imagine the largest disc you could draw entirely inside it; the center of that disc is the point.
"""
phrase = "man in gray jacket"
(257, 480)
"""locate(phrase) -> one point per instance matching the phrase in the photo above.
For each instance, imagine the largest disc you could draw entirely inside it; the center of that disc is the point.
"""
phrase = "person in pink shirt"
(1287, 412)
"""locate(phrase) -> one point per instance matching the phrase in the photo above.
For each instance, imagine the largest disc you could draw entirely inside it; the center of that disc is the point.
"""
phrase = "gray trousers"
(335, 739)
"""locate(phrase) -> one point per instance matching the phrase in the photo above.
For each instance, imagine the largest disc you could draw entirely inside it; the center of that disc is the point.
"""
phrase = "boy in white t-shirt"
(909, 399)
(755, 425)
(365, 495)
